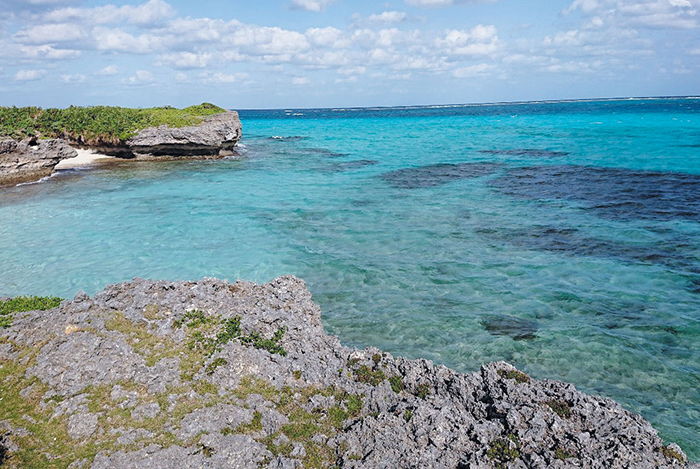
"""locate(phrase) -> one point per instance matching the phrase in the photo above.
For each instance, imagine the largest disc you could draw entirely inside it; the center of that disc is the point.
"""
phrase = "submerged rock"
(31, 159)
(213, 374)
(517, 328)
(435, 175)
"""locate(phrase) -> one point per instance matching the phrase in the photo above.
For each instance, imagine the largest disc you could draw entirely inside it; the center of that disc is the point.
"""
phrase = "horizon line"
(492, 103)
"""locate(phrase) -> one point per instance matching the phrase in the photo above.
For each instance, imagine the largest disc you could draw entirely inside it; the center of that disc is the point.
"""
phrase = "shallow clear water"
(561, 237)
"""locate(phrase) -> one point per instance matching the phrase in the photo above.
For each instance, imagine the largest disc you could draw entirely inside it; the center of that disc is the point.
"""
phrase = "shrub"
(396, 384)
(365, 375)
(516, 375)
(560, 408)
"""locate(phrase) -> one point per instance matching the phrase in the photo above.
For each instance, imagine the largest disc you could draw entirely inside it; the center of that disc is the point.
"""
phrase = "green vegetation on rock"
(563, 454)
(209, 333)
(30, 404)
(396, 384)
(516, 375)
(561, 408)
(96, 124)
(503, 451)
(21, 304)
(365, 375)
(423, 391)
(671, 454)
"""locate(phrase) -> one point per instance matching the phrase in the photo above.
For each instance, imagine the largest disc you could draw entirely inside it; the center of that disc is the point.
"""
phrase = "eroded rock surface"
(31, 159)
(216, 136)
(155, 374)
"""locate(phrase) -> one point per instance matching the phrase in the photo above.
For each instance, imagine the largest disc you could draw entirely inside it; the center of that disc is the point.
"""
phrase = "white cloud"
(389, 17)
(151, 13)
(117, 40)
(77, 78)
(480, 40)
(603, 36)
(109, 70)
(676, 14)
(186, 60)
(50, 34)
(327, 37)
(29, 75)
(472, 71)
(311, 5)
(142, 77)
(359, 70)
(219, 78)
(440, 3)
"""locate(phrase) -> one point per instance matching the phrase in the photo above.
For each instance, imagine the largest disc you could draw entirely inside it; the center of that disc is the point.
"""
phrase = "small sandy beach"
(84, 158)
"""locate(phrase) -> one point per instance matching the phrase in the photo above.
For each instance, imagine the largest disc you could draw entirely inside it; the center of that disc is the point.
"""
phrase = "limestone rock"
(216, 136)
(235, 405)
(31, 159)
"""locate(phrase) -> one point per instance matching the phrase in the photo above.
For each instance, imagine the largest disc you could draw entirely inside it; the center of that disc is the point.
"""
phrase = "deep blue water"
(561, 237)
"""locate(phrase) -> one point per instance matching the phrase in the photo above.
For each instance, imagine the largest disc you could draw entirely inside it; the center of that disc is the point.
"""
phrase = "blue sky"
(329, 53)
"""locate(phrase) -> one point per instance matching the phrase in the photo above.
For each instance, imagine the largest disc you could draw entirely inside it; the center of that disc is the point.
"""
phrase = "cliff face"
(211, 374)
(216, 136)
(30, 160)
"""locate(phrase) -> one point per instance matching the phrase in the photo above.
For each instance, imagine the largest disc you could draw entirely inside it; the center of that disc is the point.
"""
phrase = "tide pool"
(563, 238)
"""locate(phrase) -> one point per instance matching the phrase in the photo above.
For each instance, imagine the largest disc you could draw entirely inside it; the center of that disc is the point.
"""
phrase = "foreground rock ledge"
(154, 374)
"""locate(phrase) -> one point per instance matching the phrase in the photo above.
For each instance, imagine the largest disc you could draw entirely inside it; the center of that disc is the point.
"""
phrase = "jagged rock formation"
(216, 136)
(211, 374)
(31, 159)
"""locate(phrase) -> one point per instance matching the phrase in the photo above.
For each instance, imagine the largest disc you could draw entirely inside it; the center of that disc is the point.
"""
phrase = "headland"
(34, 141)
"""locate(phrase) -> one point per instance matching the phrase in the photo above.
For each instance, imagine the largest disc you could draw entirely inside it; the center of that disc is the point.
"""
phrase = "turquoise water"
(561, 237)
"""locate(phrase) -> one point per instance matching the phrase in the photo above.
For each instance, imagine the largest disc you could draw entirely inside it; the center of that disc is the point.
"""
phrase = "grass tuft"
(561, 408)
(516, 375)
(671, 454)
(503, 451)
(21, 304)
(365, 375)
(423, 391)
(563, 454)
(396, 384)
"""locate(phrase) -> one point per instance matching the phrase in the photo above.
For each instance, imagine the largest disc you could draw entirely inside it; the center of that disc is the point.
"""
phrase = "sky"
(342, 53)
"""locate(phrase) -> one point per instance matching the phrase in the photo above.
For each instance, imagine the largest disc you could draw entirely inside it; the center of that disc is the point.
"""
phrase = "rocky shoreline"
(216, 374)
(32, 159)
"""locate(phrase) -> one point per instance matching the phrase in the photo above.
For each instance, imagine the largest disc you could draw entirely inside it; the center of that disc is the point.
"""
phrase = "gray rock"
(439, 418)
(146, 411)
(31, 159)
(216, 136)
(213, 420)
(82, 425)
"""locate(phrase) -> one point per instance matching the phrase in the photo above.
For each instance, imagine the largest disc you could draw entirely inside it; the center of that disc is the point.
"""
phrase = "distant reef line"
(33, 141)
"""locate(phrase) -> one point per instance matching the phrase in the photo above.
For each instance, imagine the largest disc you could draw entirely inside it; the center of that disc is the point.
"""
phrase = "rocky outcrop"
(31, 159)
(212, 374)
(216, 136)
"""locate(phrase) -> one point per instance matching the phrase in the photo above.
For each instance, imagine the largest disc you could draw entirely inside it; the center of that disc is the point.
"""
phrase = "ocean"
(562, 237)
